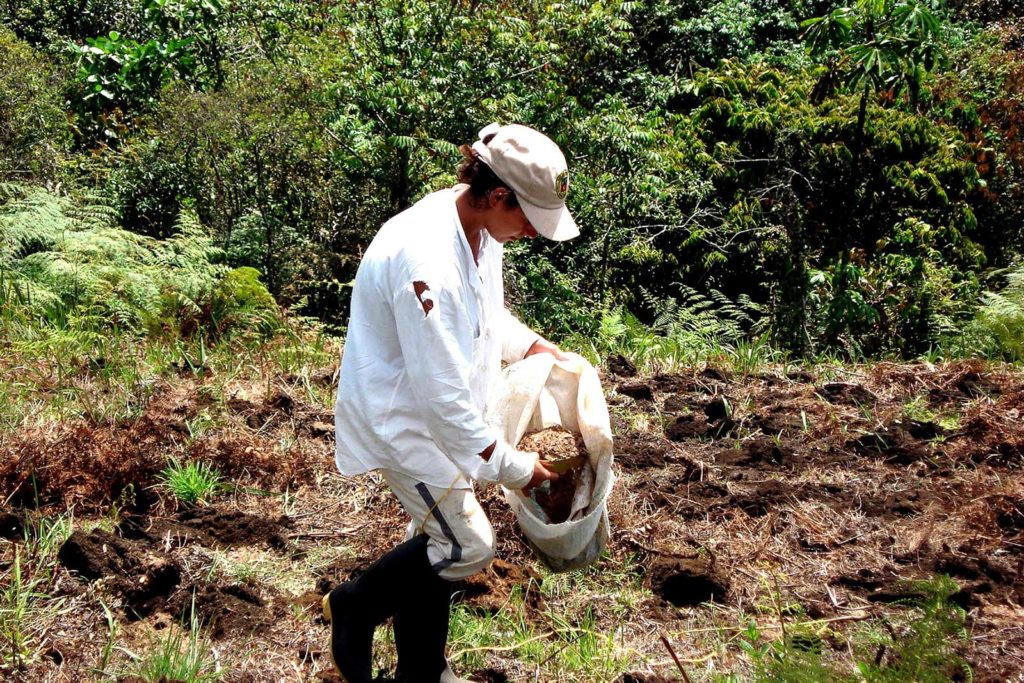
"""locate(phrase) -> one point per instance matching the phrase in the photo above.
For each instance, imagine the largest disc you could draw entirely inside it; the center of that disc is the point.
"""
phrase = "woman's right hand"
(541, 474)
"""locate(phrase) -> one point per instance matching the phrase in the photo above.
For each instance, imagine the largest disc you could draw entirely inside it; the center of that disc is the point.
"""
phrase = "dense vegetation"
(821, 177)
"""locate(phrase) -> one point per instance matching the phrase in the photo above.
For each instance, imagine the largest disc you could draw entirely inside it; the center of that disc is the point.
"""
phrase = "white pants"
(461, 539)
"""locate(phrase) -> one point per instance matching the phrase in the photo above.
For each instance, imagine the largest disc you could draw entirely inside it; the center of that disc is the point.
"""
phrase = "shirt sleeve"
(516, 338)
(433, 334)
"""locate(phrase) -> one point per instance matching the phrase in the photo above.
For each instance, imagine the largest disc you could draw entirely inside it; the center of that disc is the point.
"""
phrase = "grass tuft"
(191, 482)
(185, 656)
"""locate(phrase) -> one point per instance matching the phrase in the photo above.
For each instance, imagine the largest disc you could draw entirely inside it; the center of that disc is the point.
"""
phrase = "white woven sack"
(540, 392)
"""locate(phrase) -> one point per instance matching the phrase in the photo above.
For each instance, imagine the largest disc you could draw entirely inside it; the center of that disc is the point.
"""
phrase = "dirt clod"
(619, 365)
(848, 393)
(717, 409)
(141, 576)
(224, 609)
(687, 427)
(490, 590)
(639, 390)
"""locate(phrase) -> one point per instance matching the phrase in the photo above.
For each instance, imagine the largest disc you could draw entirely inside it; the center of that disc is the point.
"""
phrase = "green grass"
(191, 482)
(180, 655)
(578, 640)
(916, 642)
(26, 608)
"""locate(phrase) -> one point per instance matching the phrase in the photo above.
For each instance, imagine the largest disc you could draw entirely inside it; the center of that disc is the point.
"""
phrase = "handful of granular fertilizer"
(568, 455)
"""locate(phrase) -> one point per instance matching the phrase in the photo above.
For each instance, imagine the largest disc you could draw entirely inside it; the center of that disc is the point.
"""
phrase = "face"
(505, 223)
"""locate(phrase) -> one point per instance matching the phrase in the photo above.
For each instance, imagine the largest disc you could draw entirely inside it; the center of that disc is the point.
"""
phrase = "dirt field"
(787, 496)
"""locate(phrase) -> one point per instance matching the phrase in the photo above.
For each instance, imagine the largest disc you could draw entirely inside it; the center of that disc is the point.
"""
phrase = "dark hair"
(481, 179)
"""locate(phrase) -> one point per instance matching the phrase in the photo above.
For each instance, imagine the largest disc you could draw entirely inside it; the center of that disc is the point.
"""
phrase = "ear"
(498, 195)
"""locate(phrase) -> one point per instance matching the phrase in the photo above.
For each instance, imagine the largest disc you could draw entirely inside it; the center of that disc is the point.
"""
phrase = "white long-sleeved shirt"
(415, 384)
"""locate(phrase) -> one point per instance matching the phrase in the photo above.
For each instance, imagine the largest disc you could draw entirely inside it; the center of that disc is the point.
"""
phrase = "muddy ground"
(827, 489)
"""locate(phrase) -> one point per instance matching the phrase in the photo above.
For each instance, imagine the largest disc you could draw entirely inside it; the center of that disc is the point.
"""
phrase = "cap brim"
(555, 224)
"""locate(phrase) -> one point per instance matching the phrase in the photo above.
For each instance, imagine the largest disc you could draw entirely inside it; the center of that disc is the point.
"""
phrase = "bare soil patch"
(836, 489)
(863, 483)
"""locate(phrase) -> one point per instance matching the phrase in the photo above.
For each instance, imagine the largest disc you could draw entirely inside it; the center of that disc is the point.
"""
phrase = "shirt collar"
(460, 232)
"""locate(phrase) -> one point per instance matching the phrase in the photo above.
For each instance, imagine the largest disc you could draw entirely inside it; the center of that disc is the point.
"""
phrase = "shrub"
(997, 330)
(240, 300)
(34, 135)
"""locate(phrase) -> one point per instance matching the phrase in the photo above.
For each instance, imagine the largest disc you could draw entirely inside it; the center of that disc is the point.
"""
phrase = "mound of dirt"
(847, 393)
(144, 579)
(618, 364)
(233, 527)
(640, 453)
(491, 590)
(895, 445)
(687, 427)
(83, 465)
(641, 391)
(686, 582)
(209, 527)
(756, 451)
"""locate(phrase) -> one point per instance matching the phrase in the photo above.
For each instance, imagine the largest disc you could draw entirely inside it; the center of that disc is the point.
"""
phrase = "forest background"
(798, 177)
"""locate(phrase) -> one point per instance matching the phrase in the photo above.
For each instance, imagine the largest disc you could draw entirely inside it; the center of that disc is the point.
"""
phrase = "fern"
(998, 327)
(61, 257)
(711, 318)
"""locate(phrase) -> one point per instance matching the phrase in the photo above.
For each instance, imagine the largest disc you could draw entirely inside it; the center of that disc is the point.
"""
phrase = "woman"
(426, 338)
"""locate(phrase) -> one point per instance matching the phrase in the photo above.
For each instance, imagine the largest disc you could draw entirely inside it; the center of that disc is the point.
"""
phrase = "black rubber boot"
(354, 609)
(421, 630)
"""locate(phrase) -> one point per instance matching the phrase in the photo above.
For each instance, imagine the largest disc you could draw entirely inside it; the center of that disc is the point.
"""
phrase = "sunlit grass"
(191, 482)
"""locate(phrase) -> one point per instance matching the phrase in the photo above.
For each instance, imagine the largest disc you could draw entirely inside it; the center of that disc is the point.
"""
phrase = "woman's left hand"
(542, 345)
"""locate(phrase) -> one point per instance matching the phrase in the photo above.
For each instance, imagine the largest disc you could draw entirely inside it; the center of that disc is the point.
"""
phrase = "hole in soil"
(687, 582)
(224, 610)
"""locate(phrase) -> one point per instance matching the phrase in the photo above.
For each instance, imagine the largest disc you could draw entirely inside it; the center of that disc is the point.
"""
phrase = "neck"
(471, 219)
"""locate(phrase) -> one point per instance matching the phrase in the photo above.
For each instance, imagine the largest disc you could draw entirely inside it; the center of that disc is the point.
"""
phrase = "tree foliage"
(851, 191)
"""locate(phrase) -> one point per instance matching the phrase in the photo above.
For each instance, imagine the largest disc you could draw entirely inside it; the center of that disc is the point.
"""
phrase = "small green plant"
(181, 656)
(191, 482)
(19, 615)
(25, 605)
(919, 647)
(917, 409)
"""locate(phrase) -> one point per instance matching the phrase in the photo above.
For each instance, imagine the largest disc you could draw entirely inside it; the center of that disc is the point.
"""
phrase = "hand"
(544, 346)
(541, 474)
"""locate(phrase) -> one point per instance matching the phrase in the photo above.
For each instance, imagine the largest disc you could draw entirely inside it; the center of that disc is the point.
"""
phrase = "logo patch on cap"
(562, 184)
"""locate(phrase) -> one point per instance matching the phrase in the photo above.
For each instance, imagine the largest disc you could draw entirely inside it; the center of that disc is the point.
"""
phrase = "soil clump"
(555, 444)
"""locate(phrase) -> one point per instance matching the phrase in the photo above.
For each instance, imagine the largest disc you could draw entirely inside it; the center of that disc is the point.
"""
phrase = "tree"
(877, 46)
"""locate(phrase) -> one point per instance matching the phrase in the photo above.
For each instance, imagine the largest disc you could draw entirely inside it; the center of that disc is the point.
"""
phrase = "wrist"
(518, 468)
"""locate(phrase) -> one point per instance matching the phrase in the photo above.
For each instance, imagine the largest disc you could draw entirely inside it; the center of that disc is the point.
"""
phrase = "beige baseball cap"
(534, 168)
